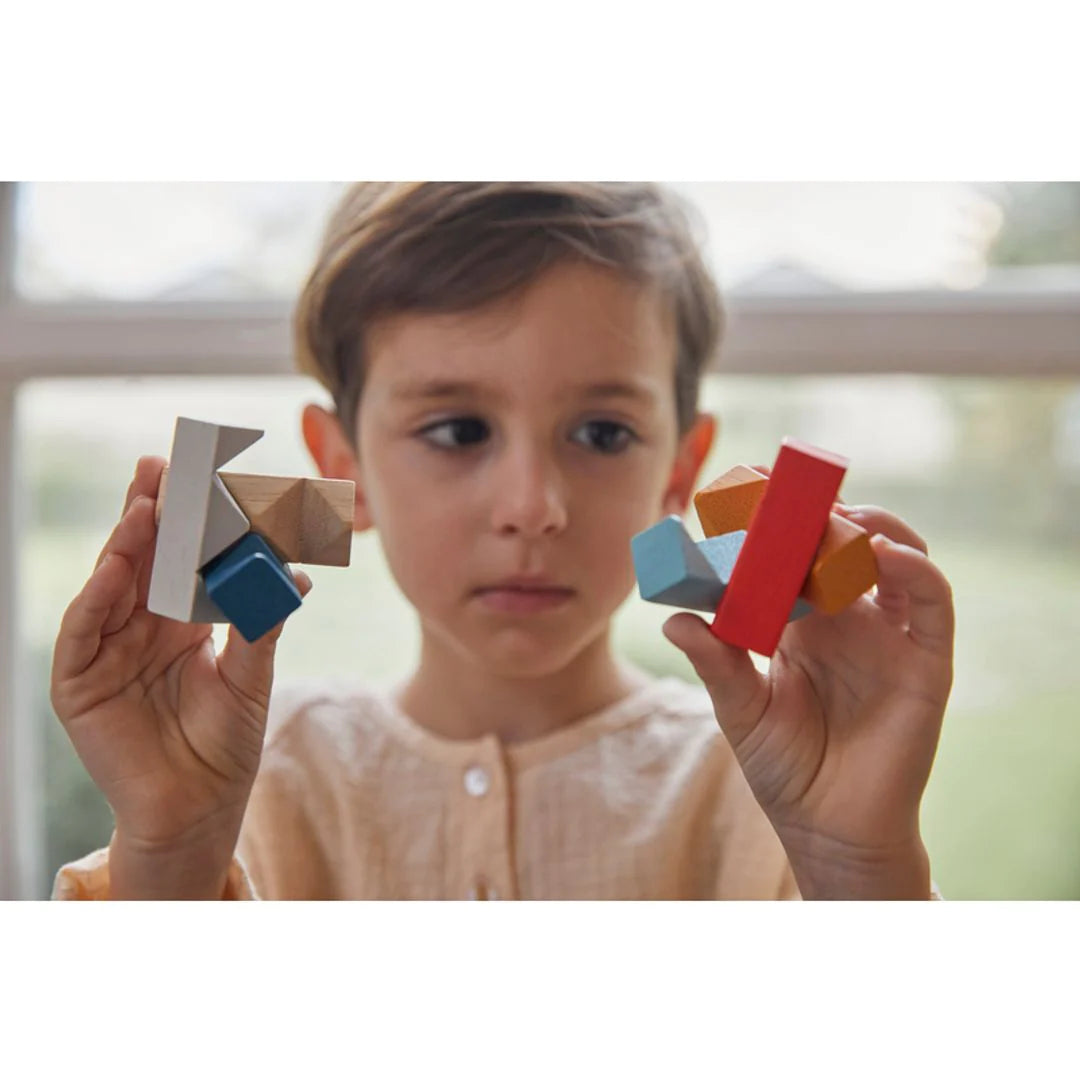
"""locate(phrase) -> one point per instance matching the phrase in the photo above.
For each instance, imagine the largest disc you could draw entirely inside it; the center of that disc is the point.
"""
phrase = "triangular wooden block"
(327, 515)
(304, 520)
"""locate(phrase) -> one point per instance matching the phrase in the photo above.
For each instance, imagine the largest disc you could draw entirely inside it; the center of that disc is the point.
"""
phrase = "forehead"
(575, 325)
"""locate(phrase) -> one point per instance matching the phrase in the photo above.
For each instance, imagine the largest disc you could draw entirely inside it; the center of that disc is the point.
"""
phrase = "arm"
(169, 730)
(838, 738)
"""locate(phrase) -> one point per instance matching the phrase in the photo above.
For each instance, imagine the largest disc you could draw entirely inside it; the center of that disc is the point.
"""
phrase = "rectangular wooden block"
(784, 535)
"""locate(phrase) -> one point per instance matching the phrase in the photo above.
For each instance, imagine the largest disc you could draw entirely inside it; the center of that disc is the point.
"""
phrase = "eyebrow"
(617, 389)
(434, 389)
(442, 389)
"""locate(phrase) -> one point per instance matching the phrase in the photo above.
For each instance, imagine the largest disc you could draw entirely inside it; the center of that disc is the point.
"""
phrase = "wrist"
(193, 868)
(827, 869)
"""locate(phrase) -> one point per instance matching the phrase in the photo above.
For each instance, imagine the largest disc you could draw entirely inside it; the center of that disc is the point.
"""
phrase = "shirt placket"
(484, 823)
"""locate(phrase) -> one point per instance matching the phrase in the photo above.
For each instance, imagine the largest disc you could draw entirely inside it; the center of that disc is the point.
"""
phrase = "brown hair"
(446, 247)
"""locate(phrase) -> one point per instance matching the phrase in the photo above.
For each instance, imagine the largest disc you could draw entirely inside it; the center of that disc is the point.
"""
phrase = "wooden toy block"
(671, 569)
(251, 586)
(723, 551)
(844, 567)
(304, 520)
(198, 520)
(669, 572)
(728, 503)
(787, 528)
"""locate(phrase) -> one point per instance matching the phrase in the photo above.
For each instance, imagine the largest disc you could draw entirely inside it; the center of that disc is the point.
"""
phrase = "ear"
(694, 447)
(334, 456)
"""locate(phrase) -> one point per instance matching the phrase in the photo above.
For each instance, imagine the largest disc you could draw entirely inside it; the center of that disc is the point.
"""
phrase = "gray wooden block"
(199, 519)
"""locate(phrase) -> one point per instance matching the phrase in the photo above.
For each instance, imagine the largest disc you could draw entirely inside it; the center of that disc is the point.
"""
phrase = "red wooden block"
(780, 546)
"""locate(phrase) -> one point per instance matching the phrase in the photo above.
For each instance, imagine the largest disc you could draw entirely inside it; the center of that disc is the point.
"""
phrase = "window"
(854, 309)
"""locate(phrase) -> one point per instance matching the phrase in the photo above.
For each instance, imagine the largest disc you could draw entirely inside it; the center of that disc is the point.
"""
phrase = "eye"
(604, 436)
(456, 433)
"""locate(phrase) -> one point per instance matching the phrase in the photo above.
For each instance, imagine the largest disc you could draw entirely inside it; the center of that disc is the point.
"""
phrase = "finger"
(83, 624)
(133, 536)
(737, 690)
(875, 520)
(248, 666)
(906, 576)
(147, 478)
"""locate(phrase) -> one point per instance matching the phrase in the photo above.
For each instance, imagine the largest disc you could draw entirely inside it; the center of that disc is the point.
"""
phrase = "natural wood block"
(303, 519)
(729, 502)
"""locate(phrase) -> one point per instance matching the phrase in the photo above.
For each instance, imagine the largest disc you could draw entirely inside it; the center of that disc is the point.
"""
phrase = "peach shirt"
(354, 800)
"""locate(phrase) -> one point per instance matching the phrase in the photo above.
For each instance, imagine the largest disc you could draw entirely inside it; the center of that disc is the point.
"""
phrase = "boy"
(514, 370)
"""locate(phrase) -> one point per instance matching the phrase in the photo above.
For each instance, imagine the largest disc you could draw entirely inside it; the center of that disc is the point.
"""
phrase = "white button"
(477, 781)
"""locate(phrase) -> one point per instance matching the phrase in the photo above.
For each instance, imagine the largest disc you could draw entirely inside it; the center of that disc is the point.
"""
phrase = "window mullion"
(22, 828)
(7, 241)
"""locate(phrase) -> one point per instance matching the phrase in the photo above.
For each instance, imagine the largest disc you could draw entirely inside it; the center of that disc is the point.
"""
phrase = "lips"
(526, 582)
(524, 595)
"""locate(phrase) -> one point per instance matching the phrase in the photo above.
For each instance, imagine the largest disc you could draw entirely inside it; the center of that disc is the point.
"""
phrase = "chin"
(519, 655)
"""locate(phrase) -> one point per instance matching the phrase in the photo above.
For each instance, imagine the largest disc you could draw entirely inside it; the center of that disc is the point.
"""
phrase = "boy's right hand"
(171, 732)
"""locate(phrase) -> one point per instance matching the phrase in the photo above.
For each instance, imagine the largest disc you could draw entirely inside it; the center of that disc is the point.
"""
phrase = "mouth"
(521, 596)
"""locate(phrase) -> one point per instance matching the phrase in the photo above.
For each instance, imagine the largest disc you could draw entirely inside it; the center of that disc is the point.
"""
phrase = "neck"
(460, 701)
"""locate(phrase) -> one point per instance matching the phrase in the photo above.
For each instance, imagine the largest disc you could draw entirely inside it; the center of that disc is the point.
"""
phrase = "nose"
(529, 495)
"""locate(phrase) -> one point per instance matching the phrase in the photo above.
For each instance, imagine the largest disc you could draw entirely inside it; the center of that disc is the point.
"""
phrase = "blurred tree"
(1040, 224)
(1015, 439)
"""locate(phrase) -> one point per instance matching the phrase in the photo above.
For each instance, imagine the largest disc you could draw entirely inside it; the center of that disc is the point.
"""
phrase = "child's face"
(508, 455)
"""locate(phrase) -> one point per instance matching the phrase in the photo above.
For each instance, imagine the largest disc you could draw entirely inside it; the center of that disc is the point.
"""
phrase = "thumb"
(249, 666)
(739, 692)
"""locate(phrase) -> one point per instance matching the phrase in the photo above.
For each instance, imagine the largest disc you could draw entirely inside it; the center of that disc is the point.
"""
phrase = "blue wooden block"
(723, 550)
(671, 569)
(251, 586)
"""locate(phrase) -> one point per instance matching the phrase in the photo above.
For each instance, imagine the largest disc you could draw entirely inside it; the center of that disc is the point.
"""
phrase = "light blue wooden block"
(722, 551)
(671, 569)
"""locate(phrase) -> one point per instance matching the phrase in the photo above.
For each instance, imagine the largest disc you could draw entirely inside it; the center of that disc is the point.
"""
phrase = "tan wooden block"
(303, 519)
(729, 502)
(843, 569)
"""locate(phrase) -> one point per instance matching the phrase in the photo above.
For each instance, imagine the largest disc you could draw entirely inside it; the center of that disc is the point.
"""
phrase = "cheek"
(610, 515)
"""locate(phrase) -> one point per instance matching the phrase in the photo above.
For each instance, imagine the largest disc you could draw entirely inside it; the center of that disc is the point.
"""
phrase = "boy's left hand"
(837, 739)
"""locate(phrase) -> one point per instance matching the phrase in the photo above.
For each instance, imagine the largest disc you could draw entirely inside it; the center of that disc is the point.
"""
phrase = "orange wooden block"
(844, 566)
(729, 502)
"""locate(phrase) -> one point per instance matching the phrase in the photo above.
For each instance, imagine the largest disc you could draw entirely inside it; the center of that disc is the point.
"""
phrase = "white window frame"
(978, 333)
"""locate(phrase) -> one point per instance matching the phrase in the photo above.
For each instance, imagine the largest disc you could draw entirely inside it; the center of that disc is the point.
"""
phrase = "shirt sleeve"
(88, 879)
